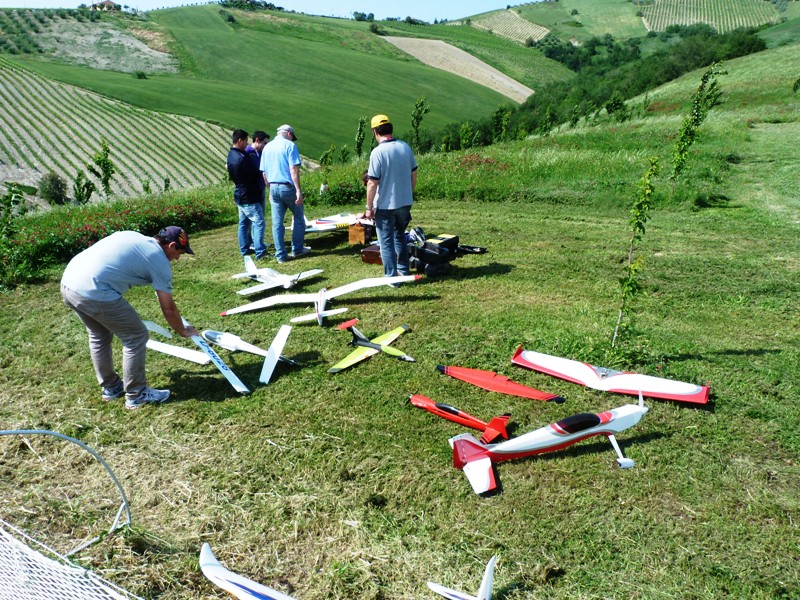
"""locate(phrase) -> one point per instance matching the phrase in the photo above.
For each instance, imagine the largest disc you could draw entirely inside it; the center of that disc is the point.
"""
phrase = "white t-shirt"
(113, 265)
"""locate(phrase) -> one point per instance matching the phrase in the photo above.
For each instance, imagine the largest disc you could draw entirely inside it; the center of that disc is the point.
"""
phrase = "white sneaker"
(111, 393)
(305, 250)
(148, 396)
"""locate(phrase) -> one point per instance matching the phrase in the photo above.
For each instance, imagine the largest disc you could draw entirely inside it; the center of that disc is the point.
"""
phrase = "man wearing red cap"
(92, 286)
(391, 179)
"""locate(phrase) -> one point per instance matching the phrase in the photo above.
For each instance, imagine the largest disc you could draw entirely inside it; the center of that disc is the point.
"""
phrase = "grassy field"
(332, 487)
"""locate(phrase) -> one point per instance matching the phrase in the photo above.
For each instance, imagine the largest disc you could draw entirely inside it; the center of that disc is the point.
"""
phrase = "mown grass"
(331, 487)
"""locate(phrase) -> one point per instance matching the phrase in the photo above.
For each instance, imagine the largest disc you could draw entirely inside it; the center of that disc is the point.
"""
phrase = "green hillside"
(243, 76)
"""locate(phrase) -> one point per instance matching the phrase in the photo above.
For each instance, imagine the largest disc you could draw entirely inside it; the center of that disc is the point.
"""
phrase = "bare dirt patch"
(442, 55)
(103, 46)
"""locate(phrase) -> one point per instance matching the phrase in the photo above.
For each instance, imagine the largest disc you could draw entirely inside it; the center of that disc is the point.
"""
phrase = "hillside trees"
(103, 168)
(53, 188)
(600, 79)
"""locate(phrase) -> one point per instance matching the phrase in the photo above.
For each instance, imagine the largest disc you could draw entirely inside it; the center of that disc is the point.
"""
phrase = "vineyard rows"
(50, 126)
(510, 25)
(723, 16)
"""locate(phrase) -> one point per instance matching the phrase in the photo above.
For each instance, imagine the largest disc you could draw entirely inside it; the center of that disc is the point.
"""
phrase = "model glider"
(234, 343)
(269, 278)
(218, 362)
(194, 356)
(366, 347)
(320, 299)
(484, 592)
(491, 430)
(333, 222)
(476, 459)
(609, 380)
(494, 382)
(236, 585)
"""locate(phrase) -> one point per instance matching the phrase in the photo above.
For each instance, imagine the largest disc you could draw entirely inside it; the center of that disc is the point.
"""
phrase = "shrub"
(139, 75)
(53, 188)
(59, 234)
(342, 194)
(13, 261)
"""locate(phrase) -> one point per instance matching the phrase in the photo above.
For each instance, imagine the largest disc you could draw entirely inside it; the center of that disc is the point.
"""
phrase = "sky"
(426, 10)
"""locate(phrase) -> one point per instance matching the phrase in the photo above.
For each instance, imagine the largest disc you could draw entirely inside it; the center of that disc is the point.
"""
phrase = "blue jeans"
(390, 226)
(251, 229)
(281, 199)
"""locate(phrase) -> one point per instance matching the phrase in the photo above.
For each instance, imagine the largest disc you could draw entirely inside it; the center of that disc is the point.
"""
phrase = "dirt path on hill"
(442, 55)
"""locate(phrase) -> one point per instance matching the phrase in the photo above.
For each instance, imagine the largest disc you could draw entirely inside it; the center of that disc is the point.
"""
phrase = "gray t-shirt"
(391, 164)
(113, 265)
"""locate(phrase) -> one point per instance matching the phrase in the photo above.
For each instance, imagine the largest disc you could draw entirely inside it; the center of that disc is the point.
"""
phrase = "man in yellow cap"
(391, 179)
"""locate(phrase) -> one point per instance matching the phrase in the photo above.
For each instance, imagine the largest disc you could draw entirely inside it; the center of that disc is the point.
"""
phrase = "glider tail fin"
(495, 428)
(249, 265)
(473, 458)
(484, 593)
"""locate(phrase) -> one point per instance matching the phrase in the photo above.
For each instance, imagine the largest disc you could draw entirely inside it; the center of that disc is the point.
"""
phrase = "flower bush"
(57, 235)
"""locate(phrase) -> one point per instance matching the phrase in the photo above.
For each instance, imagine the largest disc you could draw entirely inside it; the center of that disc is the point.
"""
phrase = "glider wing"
(194, 356)
(219, 363)
(608, 380)
(369, 283)
(273, 301)
(274, 353)
(494, 382)
(236, 585)
(355, 357)
(449, 593)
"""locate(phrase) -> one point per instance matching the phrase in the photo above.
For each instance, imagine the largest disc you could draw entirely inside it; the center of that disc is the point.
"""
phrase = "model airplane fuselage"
(476, 459)
(333, 223)
(491, 431)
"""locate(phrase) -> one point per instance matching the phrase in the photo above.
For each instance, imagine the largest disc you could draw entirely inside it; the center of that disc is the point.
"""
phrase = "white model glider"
(484, 592)
(236, 585)
(234, 343)
(218, 362)
(609, 380)
(269, 278)
(320, 299)
(194, 356)
(334, 222)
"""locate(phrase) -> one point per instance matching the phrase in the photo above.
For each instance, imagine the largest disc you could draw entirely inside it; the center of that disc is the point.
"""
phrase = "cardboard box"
(360, 234)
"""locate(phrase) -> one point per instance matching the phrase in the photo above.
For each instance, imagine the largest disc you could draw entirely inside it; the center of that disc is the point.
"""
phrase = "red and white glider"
(477, 460)
(609, 380)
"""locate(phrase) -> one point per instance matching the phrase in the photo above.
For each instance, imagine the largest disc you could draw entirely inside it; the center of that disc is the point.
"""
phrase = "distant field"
(511, 25)
(599, 17)
(526, 65)
(723, 16)
(50, 126)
